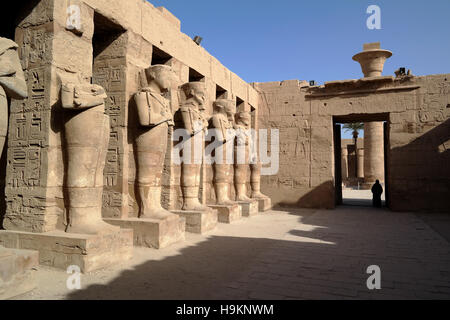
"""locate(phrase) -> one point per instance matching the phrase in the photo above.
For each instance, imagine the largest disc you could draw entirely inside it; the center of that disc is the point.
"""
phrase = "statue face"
(163, 79)
(244, 119)
(230, 109)
(199, 96)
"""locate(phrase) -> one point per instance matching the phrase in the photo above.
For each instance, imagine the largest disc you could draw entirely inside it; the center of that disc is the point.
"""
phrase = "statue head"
(196, 91)
(161, 75)
(225, 106)
(243, 118)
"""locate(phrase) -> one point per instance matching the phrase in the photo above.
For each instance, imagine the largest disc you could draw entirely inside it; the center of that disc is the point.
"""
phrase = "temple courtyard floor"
(282, 254)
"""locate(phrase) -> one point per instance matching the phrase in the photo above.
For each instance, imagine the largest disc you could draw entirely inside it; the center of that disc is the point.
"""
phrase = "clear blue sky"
(264, 40)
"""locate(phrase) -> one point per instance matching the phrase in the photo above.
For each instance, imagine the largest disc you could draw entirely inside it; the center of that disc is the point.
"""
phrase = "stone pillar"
(374, 153)
(351, 161)
(344, 163)
(360, 162)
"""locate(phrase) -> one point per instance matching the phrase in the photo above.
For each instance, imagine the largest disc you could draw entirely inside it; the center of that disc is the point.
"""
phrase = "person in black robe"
(377, 191)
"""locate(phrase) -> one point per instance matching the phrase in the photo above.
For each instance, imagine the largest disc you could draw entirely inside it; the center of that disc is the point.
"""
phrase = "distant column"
(344, 163)
(360, 161)
(373, 153)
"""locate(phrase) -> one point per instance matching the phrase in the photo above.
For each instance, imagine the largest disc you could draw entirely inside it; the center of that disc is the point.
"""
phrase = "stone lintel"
(153, 233)
(59, 249)
(199, 221)
(227, 213)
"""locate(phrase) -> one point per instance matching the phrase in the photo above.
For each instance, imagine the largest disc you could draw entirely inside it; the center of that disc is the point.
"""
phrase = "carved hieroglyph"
(242, 154)
(155, 117)
(222, 121)
(12, 83)
(86, 133)
(195, 122)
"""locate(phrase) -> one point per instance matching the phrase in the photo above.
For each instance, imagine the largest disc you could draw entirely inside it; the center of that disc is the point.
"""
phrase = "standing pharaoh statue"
(86, 134)
(242, 155)
(222, 122)
(195, 122)
(155, 118)
(12, 86)
(12, 83)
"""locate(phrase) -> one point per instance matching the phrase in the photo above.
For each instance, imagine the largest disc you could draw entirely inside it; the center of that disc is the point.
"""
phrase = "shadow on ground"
(323, 257)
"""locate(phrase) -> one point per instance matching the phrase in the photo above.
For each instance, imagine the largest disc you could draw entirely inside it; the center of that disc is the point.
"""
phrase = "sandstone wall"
(417, 111)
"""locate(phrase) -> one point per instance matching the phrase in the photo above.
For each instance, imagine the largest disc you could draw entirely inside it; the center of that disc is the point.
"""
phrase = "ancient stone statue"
(255, 181)
(195, 122)
(155, 117)
(242, 155)
(12, 83)
(221, 120)
(86, 134)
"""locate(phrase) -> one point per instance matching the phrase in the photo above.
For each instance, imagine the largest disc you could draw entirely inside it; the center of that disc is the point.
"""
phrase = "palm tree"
(354, 128)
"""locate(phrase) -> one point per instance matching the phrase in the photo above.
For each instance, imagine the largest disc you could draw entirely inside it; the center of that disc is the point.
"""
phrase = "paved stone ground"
(354, 197)
(282, 254)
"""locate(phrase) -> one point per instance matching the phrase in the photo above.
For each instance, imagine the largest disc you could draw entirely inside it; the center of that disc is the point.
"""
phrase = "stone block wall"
(417, 111)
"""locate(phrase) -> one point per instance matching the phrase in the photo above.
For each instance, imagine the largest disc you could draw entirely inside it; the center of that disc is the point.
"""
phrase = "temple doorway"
(361, 144)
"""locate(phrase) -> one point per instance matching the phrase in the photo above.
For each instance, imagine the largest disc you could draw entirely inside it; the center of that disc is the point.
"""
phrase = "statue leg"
(86, 135)
(222, 177)
(240, 177)
(190, 176)
(255, 181)
(240, 181)
(222, 182)
(151, 151)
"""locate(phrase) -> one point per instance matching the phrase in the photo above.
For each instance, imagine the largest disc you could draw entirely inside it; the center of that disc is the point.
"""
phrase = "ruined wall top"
(162, 29)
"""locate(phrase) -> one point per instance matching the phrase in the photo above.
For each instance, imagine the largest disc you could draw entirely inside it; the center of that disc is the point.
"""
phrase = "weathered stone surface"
(115, 46)
(17, 271)
(249, 208)
(153, 233)
(227, 213)
(199, 221)
(61, 249)
(264, 204)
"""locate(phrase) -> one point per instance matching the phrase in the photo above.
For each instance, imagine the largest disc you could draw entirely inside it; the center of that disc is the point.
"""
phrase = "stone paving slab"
(283, 254)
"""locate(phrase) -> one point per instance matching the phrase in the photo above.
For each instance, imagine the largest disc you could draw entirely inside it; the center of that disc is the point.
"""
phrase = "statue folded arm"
(12, 78)
(81, 96)
(187, 120)
(221, 131)
(152, 110)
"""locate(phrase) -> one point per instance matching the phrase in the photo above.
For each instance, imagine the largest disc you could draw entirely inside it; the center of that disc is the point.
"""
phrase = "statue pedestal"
(199, 221)
(60, 249)
(264, 204)
(248, 208)
(16, 272)
(153, 233)
(227, 213)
